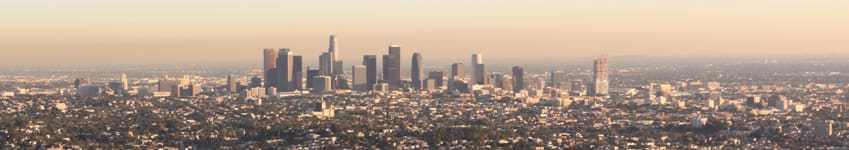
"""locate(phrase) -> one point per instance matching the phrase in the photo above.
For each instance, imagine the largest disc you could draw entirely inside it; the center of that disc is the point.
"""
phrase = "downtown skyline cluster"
(283, 71)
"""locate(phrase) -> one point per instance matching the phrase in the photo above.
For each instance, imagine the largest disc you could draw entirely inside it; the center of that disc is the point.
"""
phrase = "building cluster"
(284, 106)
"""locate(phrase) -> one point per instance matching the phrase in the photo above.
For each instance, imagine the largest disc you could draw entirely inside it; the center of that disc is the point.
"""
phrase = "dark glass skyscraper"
(417, 71)
(311, 73)
(370, 61)
(518, 78)
(284, 70)
(297, 73)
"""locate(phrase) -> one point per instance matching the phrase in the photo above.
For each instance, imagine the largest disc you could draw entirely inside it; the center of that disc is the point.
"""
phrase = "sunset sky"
(43, 32)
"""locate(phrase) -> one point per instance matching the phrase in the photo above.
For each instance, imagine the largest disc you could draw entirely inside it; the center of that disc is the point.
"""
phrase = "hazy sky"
(203, 31)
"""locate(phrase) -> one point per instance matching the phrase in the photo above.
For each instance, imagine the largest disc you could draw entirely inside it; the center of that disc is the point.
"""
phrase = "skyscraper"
(417, 71)
(231, 83)
(310, 74)
(297, 73)
(284, 70)
(325, 63)
(370, 61)
(270, 66)
(392, 67)
(479, 76)
(321, 84)
(124, 83)
(332, 49)
(358, 75)
(518, 78)
(600, 81)
(334, 61)
(457, 71)
(437, 78)
(559, 80)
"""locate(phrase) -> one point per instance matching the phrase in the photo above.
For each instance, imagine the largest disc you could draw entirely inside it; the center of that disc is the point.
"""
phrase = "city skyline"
(581, 28)
(380, 74)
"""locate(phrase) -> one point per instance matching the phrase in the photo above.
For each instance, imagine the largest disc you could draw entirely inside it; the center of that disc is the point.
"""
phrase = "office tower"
(310, 74)
(231, 83)
(506, 83)
(325, 63)
(370, 61)
(270, 66)
(578, 87)
(340, 82)
(518, 78)
(359, 76)
(417, 71)
(392, 67)
(385, 77)
(255, 82)
(124, 83)
(321, 84)
(600, 81)
(429, 84)
(284, 70)
(457, 72)
(559, 80)
(335, 60)
(437, 78)
(479, 75)
(297, 73)
(496, 78)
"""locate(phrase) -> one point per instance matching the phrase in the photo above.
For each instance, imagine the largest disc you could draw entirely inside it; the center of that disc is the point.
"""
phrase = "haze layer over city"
(376, 74)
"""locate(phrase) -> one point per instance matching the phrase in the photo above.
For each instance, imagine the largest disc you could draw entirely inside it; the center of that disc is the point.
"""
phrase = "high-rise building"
(417, 71)
(325, 63)
(370, 61)
(437, 78)
(559, 80)
(358, 75)
(321, 84)
(285, 67)
(600, 81)
(231, 83)
(392, 73)
(334, 61)
(297, 73)
(310, 74)
(518, 78)
(479, 75)
(457, 72)
(429, 84)
(270, 66)
(124, 83)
